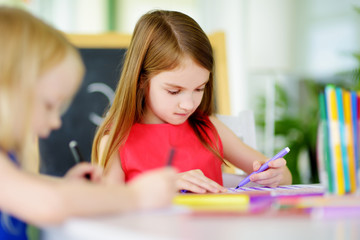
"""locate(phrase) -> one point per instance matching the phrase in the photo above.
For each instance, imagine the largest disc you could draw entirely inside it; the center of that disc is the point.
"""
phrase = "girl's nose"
(187, 103)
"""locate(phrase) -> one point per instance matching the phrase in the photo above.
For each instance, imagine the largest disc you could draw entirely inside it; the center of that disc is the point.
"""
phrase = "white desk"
(179, 224)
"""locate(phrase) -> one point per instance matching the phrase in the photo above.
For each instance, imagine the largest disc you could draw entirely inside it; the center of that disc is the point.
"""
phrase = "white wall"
(72, 16)
(307, 36)
(229, 16)
(327, 34)
(267, 41)
(269, 32)
(129, 11)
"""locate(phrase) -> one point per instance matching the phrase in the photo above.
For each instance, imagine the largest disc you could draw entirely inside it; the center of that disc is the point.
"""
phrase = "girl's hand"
(79, 171)
(271, 177)
(154, 189)
(195, 181)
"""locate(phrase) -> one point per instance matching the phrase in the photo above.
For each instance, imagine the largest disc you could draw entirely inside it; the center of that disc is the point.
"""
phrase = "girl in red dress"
(164, 100)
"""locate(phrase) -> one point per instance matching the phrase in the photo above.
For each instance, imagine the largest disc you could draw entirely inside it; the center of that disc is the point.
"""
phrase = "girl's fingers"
(268, 174)
(273, 182)
(96, 174)
(190, 186)
(203, 182)
(264, 175)
(271, 177)
(276, 167)
(209, 184)
(80, 170)
(256, 165)
(278, 163)
(185, 185)
(196, 181)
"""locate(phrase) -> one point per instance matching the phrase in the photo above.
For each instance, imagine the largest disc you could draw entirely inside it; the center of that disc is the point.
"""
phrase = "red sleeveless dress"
(148, 146)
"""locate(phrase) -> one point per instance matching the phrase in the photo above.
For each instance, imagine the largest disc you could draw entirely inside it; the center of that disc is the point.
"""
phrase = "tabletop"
(179, 222)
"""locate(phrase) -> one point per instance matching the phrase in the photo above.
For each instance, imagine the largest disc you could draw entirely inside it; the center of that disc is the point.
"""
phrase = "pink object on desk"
(335, 212)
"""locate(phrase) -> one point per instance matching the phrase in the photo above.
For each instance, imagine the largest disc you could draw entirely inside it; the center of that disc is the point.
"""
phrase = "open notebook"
(246, 199)
(283, 189)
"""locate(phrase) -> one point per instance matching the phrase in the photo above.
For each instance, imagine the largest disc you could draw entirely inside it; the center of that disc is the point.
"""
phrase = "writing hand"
(272, 176)
(195, 181)
(81, 170)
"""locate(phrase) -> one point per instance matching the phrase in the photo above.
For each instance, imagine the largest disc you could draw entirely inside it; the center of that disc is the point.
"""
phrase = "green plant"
(298, 128)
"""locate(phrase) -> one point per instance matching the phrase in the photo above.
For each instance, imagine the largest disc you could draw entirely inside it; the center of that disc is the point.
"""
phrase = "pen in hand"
(73, 145)
(169, 163)
(171, 157)
(265, 166)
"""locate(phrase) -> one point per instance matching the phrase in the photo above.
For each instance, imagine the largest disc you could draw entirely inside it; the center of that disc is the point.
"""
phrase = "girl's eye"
(173, 92)
(200, 89)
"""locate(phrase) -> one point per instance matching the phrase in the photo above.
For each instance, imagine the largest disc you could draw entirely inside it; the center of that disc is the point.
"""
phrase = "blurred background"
(280, 54)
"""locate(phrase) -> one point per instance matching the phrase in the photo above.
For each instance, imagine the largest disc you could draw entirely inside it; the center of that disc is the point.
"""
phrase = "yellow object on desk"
(214, 202)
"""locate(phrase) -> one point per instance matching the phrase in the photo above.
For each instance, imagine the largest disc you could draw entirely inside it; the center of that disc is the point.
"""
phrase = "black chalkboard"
(103, 67)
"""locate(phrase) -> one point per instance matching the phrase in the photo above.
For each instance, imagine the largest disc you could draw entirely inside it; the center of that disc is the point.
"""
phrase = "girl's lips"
(182, 114)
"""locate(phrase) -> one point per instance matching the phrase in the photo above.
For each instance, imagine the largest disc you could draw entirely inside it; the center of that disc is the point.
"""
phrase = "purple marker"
(264, 166)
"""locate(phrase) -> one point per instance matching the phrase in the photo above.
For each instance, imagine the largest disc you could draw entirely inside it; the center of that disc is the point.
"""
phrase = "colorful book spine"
(323, 150)
(338, 142)
(350, 147)
(334, 138)
(343, 139)
(355, 112)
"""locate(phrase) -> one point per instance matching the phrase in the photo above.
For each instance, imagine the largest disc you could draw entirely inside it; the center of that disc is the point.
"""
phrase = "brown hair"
(160, 41)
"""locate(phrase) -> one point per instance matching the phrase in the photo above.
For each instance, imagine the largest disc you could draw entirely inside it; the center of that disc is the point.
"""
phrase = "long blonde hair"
(29, 47)
(160, 41)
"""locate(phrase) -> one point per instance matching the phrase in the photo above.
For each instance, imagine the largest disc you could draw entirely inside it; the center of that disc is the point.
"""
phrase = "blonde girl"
(40, 71)
(164, 100)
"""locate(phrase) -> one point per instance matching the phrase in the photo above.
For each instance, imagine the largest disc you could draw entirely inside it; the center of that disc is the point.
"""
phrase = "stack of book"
(338, 140)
